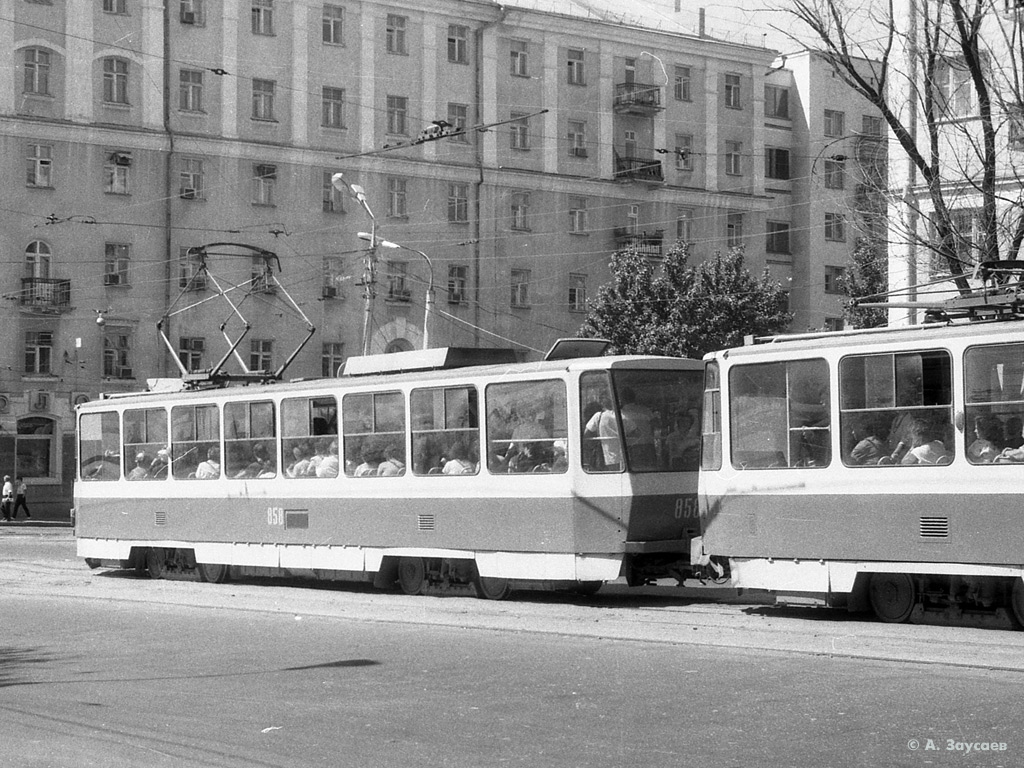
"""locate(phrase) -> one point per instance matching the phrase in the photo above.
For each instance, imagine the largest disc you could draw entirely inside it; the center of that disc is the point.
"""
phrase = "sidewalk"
(33, 525)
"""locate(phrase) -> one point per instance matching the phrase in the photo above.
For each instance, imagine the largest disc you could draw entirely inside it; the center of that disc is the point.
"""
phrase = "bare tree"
(946, 76)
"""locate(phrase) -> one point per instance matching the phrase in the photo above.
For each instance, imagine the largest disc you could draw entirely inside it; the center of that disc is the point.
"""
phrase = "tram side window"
(195, 442)
(994, 396)
(660, 416)
(249, 440)
(445, 431)
(601, 448)
(309, 437)
(99, 446)
(779, 415)
(374, 434)
(711, 432)
(146, 455)
(527, 427)
(896, 409)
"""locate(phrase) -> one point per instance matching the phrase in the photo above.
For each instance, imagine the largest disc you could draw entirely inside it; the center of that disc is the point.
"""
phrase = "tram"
(873, 469)
(422, 470)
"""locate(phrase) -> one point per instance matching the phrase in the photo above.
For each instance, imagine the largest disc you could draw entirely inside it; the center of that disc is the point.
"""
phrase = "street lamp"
(356, 191)
(428, 304)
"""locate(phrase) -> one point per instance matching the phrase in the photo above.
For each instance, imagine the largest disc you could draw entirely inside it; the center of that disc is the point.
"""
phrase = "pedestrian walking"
(8, 498)
(20, 500)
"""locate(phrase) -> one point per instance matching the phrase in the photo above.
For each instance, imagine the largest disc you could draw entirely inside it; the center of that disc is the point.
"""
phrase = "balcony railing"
(637, 98)
(638, 169)
(45, 294)
(644, 243)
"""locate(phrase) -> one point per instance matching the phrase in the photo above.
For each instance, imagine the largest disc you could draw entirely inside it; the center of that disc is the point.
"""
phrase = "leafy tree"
(865, 279)
(683, 310)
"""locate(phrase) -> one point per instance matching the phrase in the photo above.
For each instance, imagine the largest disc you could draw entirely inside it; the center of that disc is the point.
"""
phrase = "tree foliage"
(675, 308)
(865, 279)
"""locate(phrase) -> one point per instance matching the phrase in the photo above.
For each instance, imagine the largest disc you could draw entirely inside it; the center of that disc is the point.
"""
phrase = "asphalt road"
(106, 669)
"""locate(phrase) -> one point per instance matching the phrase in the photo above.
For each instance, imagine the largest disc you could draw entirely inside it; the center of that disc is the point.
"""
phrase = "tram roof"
(173, 389)
(915, 335)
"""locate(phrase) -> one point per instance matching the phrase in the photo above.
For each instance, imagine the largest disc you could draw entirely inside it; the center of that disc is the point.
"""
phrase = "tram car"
(875, 469)
(422, 470)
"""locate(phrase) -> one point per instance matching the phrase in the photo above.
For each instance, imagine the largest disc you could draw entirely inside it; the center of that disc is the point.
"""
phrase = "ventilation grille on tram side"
(425, 522)
(160, 517)
(934, 528)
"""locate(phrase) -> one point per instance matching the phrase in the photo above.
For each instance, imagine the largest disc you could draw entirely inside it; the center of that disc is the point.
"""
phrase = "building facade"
(502, 153)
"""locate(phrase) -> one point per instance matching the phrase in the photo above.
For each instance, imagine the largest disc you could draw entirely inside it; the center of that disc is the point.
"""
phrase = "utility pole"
(370, 262)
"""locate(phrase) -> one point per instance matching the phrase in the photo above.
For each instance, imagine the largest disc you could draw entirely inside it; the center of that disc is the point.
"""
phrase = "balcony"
(639, 169)
(644, 243)
(45, 295)
(637, 99)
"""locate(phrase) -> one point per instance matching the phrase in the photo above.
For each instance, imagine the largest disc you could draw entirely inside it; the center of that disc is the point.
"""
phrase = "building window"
(871, 125)
(332, 113)
(37, 260)
(684, 225)
(263, 99)
(777, 237)
(260, 276)
(190, 352)
(776, 102)
(263, 17)
(684, 152)
(458, 203)
(776, 163)
(333, 278)
(835, 174)
(115, 264)
(261, 353)
(397, 272)
(332, 355)
(116, 173)
(190, 90)
(519, 127)
(458, 275)
(190, 179)
(576, 72)
(835, 279)
(577, 293)
(577, 136)
(397, 198)
(333, 24)
(191, 275)
(333, 199)
(578, 215)
(681, 84)
(37, 71)
(34, 452)
(38, 352)
(117, 353)
(633, 219)
(264, 179)
(398, 111)
(835, 123)
(733, 94)
(733, 158)
(520, 211)
(192, 12)
(115, 6)
(520, 288)
(39, 166)
(458, 122)
(734, 230)
(955, 91)
(458, 44)
(519, 60)
(396, 34)
(115, 81)
(835, 227)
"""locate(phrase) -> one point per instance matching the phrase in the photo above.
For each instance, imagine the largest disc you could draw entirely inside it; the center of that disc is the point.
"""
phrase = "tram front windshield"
(641, 420)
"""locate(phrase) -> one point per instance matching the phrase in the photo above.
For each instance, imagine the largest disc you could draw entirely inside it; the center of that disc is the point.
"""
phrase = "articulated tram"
(420, 470)
(877, 469)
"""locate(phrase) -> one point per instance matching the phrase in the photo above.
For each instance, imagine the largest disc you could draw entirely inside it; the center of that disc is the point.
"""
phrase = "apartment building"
(502, 153)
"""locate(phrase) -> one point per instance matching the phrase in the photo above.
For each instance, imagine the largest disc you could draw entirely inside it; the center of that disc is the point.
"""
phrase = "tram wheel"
(213, 573)
(586, 588)
(156, 566)
(1017, 601)
(491, 588)
(411, 575)
(892, 596)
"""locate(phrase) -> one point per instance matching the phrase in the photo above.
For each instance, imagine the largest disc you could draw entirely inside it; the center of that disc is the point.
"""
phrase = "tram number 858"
(687, 508)
(275, 516)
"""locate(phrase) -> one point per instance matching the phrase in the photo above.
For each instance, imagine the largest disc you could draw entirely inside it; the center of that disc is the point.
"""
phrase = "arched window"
(35, 448)
(37, 260)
